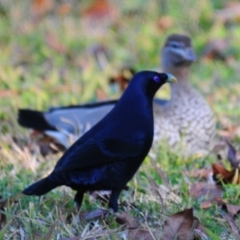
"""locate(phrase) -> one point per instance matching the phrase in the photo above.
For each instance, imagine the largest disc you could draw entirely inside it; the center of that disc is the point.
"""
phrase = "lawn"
(48, 58)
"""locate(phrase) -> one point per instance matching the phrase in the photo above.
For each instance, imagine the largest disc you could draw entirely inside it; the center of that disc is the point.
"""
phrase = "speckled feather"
(186, 121)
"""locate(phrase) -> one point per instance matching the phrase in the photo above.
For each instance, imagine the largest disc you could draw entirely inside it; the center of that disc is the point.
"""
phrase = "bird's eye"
(174, 45)
(156, 79)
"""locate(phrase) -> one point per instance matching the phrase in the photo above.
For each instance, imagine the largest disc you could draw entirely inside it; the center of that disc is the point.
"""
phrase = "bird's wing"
(75, 119)
(96, 153)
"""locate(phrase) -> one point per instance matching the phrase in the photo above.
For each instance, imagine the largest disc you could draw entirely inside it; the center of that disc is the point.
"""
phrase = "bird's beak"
(171, 78)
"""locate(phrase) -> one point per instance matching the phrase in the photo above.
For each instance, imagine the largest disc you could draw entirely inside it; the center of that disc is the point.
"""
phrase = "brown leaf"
(206, 191)
(180, 226)
(232, 155)
(233, 210)
(207, 204)
(134, 229)
(95, 214)
(125, 218)
(221, 174)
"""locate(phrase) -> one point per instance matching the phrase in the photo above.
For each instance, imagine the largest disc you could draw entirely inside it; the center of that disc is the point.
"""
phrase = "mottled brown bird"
(185, 121)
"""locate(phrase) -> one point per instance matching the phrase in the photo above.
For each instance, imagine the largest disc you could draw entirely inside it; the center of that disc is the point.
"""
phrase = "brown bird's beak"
(171, 78)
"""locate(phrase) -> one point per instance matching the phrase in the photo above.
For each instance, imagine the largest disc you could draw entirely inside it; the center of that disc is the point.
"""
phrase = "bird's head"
(177, 52)
(150, 81)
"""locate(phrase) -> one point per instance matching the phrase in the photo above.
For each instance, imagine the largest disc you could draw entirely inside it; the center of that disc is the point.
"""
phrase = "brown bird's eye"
(156, 79)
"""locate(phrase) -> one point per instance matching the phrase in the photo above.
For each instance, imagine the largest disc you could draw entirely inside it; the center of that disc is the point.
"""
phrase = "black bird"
(108, 155)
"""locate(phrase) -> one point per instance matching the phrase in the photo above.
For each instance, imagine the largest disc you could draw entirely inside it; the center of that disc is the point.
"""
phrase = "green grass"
(34, 75)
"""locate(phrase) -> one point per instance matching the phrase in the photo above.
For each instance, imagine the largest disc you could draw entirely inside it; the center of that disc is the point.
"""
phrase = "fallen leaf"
(220, 174)
(232, 155)
(206, 191)
(217, 201)
(95, 214)
(180, 226)
(232, 210)
(125, 218)
(134, 229)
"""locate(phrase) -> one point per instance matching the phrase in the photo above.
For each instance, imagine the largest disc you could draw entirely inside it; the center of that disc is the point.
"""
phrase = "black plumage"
(109, 154)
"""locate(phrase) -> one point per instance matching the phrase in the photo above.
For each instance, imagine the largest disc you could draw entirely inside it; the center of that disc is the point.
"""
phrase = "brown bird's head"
(177, 52)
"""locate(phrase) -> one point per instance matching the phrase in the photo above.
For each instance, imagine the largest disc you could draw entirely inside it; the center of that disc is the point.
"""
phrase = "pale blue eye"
(156, 79)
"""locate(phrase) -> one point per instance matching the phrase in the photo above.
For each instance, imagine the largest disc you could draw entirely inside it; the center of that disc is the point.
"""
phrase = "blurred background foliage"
(63, 52)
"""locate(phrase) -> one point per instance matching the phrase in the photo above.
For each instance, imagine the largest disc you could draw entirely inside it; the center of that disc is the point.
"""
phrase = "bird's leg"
(113, 201)
(78, 199)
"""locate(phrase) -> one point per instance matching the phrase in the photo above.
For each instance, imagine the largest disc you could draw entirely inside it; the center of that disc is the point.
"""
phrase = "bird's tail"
(33, 119)
(41, 187)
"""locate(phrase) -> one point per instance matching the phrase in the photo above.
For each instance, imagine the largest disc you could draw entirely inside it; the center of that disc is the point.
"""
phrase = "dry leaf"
(180, 226)
(232, 210)
(95, 214)
(220, 174)
(125, 218)
(205, 190)
(134, 229)
(217, 201)
(232, 155)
